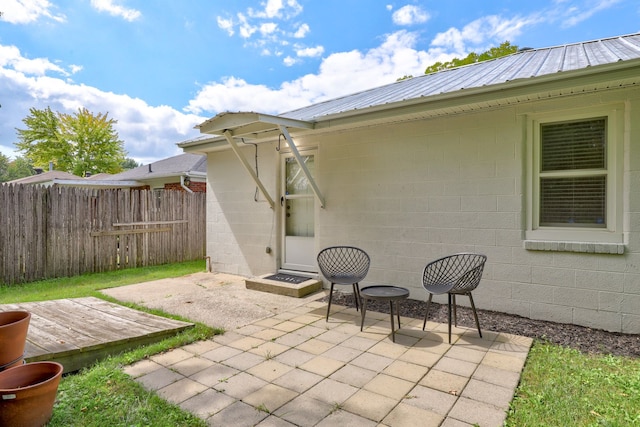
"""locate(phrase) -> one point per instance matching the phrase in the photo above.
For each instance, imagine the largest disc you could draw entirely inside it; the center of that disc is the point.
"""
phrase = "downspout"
(187, 189)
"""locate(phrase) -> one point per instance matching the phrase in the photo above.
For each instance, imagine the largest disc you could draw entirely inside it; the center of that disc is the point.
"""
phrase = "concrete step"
(297, 290)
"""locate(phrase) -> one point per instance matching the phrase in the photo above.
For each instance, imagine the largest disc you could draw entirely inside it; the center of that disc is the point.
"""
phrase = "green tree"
(505, 48)
(130, 163)
(14, 169)
(78, 143)
(19, 168)
(40, 142)
(4, 165)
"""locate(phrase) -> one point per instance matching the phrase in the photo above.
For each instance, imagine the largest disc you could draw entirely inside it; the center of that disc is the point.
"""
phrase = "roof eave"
(248, 123)
(96, 183)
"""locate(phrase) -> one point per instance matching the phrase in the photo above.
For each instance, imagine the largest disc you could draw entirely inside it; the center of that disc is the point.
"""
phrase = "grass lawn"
(103, 395)
(564, 387)
(559, 386)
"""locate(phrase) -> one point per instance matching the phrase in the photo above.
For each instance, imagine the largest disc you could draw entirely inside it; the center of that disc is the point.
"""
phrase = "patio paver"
(293, 368)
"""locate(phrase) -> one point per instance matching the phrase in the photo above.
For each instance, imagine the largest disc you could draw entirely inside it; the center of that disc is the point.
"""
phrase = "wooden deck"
(77, 332)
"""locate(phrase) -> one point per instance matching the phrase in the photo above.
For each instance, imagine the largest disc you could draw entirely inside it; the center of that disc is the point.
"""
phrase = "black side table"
(384, 293)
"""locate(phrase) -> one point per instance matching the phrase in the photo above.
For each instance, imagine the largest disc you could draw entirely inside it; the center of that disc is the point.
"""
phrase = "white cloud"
(410, 15)
(114, 9)
(226, 24)
(149, 132)
(486, 30)
(276, 9)
(302, 31)
(289, 61)
(10, 57)
(246, 29)
(75, 68)
(591, 8)
(267, 29)
(339, 74)
(310, 52)
(26, 11)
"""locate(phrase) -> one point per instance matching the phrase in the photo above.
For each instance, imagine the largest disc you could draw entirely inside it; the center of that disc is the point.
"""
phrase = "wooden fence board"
(48, 232)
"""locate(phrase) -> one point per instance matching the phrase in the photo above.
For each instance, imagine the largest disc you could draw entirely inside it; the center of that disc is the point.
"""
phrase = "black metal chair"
(457, 274)
(344, 265)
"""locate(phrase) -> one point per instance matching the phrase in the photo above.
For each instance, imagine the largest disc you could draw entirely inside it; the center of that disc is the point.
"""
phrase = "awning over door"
(253, 126)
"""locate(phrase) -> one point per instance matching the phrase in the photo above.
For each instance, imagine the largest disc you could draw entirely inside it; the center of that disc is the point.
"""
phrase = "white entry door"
(298, 215)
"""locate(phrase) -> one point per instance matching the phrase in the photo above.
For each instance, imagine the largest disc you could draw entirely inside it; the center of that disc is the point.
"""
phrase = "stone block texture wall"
(411, 192)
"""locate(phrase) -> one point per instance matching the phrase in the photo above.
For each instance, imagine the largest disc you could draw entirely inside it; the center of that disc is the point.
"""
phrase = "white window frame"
(612, 233)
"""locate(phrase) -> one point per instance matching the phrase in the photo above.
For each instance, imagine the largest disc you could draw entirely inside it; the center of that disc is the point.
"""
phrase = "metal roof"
(523, 65)
(489, 79)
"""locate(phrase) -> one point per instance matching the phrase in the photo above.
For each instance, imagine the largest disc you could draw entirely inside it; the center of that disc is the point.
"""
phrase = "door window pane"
(297, 182)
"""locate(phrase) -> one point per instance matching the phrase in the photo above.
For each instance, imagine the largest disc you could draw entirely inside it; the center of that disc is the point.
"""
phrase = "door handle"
(282, 201)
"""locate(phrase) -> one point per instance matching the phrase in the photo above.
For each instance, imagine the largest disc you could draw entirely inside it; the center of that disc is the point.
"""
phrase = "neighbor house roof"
(44, 177)
(187, 164)
(506, 80)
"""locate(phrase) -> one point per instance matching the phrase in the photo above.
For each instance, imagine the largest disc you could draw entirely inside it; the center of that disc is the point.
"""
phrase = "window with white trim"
(573, 173)
(575, 177)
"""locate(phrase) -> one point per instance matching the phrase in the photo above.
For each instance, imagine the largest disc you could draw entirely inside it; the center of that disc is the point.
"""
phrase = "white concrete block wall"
(412, 192)
(456, 184)
(238, 228)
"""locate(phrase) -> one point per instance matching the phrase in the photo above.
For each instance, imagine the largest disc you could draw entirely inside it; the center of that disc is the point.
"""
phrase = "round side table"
(393, 294)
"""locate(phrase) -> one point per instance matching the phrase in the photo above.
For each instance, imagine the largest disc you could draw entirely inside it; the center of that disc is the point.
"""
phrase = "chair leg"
(356, 294)
(426, 314)
(329, 306)
(475, 315)
(449, 295)
(455, 310)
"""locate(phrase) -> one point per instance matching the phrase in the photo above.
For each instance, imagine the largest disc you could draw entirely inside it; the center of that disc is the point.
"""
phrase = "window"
(573, 173)
(575, 177)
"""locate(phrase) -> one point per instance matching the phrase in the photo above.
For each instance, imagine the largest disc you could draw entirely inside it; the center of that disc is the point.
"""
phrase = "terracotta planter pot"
(13, 336)
(27, 393)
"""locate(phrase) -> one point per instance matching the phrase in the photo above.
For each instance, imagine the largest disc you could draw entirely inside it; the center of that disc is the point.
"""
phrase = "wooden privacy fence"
(48, 232)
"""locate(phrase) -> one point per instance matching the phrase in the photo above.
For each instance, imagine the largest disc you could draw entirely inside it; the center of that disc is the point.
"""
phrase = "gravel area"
(585, 339)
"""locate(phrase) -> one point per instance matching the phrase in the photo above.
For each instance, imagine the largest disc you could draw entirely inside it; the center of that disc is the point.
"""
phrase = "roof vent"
(150, 168)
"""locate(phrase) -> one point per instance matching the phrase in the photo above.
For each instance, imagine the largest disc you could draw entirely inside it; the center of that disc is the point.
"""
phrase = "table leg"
(364, 311)
(398, 313)
(393, 333)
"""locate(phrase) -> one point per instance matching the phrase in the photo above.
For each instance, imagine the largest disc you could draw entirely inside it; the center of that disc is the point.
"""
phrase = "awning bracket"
(302, 165)
(234, 146)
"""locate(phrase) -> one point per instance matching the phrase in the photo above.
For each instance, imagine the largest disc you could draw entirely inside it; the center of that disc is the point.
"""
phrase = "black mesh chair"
(344, 265)
(457, 274)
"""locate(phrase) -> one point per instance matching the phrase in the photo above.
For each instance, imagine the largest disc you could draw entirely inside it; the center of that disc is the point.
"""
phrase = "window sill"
(581, 247)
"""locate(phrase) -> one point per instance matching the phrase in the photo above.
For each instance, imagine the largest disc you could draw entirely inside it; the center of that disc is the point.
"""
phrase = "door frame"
(284, 266)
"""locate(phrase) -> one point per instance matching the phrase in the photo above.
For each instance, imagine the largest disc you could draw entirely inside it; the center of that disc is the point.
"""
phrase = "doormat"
(289, 278)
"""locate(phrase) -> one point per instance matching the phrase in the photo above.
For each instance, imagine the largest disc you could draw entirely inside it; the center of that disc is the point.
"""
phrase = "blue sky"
(161, 67)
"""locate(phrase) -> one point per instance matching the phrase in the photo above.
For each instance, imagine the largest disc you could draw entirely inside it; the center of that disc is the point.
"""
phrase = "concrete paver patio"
(295, 369)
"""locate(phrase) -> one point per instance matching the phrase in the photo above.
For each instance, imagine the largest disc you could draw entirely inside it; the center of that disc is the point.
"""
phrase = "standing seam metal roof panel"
(521, 65)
